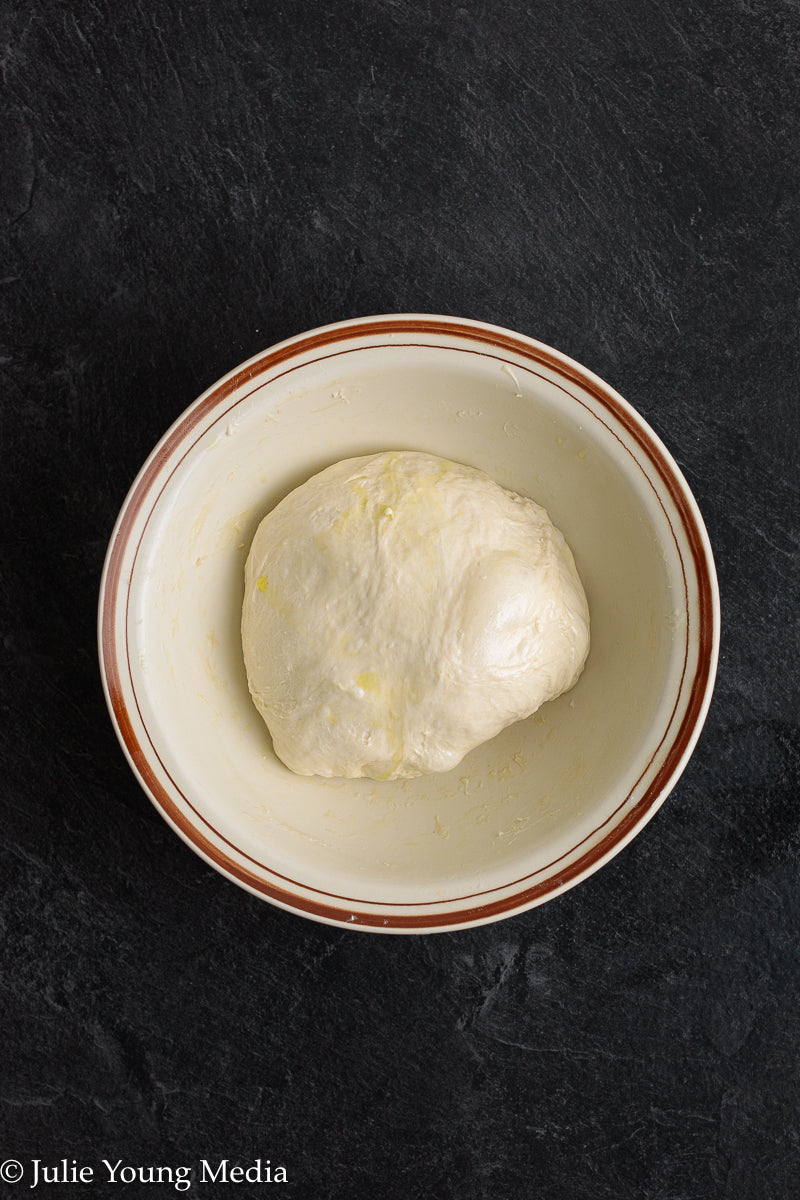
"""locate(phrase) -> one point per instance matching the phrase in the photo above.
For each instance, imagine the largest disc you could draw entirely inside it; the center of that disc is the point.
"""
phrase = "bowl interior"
(515, 805)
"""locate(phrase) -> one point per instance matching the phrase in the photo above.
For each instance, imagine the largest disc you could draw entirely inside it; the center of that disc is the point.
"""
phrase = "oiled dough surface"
(401, 609)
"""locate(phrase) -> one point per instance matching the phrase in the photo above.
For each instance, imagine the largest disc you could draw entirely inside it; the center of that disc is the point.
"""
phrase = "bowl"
(523, 817)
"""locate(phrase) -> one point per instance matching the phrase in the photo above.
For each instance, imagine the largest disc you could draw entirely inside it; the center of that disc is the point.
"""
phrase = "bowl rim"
(328, 907)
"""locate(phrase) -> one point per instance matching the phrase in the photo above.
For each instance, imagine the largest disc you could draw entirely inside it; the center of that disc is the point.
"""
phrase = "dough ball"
(401, 609)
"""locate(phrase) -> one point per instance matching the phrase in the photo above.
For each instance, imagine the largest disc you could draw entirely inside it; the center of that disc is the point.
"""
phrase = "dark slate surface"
(184, 184)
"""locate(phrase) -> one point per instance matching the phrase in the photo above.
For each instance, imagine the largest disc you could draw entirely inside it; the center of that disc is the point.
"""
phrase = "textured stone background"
(184, 184)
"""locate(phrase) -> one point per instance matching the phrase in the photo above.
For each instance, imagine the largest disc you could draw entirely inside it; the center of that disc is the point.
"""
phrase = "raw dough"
(401, 609)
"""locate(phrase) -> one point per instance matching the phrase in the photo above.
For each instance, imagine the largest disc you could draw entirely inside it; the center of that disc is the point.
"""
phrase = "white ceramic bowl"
(523, 817)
